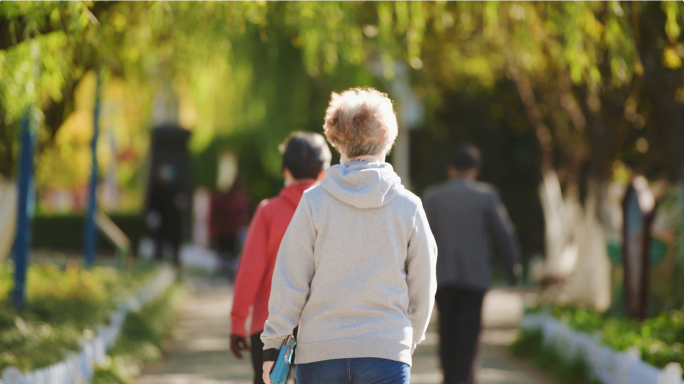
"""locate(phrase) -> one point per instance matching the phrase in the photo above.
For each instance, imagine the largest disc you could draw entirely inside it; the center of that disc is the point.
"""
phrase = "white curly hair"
(360, 122)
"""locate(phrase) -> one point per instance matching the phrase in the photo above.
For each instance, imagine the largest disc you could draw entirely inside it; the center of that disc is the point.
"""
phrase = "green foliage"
(36, 65)
(280, 97)
(659, 339)
(596, 71)
(530, 346)
(673, 206)
(140, 339)
(62, 306)
(50, 45)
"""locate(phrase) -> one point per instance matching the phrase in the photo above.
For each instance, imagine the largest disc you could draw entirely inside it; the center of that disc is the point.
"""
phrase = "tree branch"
(11, 30)
(526, 92)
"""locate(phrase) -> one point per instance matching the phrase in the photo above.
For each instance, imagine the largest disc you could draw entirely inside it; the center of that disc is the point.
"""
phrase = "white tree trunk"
(561, 247)
(575, 244)
(590, 281)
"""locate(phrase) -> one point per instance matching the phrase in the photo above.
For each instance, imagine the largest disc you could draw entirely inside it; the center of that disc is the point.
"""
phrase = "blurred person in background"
(356, 268)
(228, 213)
(166, 203)
(465, 215)
(228, 216)
(305, 158)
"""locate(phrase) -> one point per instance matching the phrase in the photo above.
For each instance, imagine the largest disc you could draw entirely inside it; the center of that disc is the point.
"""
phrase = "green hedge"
(62, 306)
(140, 339)
(659, 339)
(66, 231)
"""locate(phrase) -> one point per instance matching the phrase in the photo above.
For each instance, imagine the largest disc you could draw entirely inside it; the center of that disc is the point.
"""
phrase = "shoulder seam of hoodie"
(309, 211)
(413, 225)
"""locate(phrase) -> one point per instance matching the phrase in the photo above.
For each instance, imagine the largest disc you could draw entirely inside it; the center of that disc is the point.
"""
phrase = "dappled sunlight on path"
(199, 351)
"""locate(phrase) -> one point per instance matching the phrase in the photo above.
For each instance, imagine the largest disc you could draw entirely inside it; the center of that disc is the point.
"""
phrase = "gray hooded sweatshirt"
(355, 269)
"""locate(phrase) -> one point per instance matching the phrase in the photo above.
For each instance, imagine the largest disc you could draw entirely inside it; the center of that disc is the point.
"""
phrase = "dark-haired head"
(305, 155)
(466, 157)
(465, 160)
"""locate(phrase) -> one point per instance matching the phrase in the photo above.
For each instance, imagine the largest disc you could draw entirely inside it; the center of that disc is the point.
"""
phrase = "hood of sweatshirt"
(293, 193)
(362, 184)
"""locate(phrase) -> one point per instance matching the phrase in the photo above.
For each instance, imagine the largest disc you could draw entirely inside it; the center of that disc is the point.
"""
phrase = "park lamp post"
(25, 203)
(23, 236)
(89, 234)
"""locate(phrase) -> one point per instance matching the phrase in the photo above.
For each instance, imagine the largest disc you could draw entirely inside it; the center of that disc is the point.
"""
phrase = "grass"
(140, 339)
(63, 305)
(529, 346)
(660, 339)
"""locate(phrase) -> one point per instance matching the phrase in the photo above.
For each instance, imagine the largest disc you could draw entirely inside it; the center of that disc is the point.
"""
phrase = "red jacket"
(253, 282)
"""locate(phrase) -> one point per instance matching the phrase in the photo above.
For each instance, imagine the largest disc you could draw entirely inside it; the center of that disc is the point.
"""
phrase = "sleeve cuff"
(270, 354)
(238, 327)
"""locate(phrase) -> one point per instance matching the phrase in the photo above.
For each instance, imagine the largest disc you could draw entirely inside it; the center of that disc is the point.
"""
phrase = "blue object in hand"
(282, 364)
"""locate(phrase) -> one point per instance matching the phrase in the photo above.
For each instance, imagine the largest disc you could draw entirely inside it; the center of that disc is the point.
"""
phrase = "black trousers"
(163, 237)
(257, 352)
(460, 321)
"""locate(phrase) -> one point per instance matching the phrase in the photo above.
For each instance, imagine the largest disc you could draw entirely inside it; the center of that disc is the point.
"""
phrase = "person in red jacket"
(305, 158)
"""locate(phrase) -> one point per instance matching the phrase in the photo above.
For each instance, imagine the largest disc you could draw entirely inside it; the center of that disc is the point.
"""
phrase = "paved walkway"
(198, 352)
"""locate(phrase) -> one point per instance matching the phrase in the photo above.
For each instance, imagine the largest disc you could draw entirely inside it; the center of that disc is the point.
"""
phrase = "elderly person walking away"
(356, 267)
(465, 214)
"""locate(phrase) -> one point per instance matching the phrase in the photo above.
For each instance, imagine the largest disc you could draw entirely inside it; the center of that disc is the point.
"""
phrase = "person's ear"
(321, 175)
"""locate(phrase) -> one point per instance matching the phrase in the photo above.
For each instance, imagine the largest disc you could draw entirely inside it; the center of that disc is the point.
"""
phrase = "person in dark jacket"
(167, 202)
(465, 215)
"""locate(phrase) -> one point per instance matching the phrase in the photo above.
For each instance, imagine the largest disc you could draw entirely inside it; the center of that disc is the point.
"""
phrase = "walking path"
(198, 352)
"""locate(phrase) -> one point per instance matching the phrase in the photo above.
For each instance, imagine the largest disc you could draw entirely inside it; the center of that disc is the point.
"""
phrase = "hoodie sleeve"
(421, 275)
(294, 270)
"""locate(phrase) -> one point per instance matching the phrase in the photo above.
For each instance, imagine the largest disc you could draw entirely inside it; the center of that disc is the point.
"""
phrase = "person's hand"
(412, 350)
(238, 344)
(268, 367)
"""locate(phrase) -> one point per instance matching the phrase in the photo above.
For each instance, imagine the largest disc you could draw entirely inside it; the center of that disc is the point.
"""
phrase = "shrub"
(62, 306)
(659, 339)
(140, 340)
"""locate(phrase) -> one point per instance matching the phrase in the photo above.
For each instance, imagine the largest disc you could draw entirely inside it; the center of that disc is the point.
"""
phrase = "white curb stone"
(605, 364)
